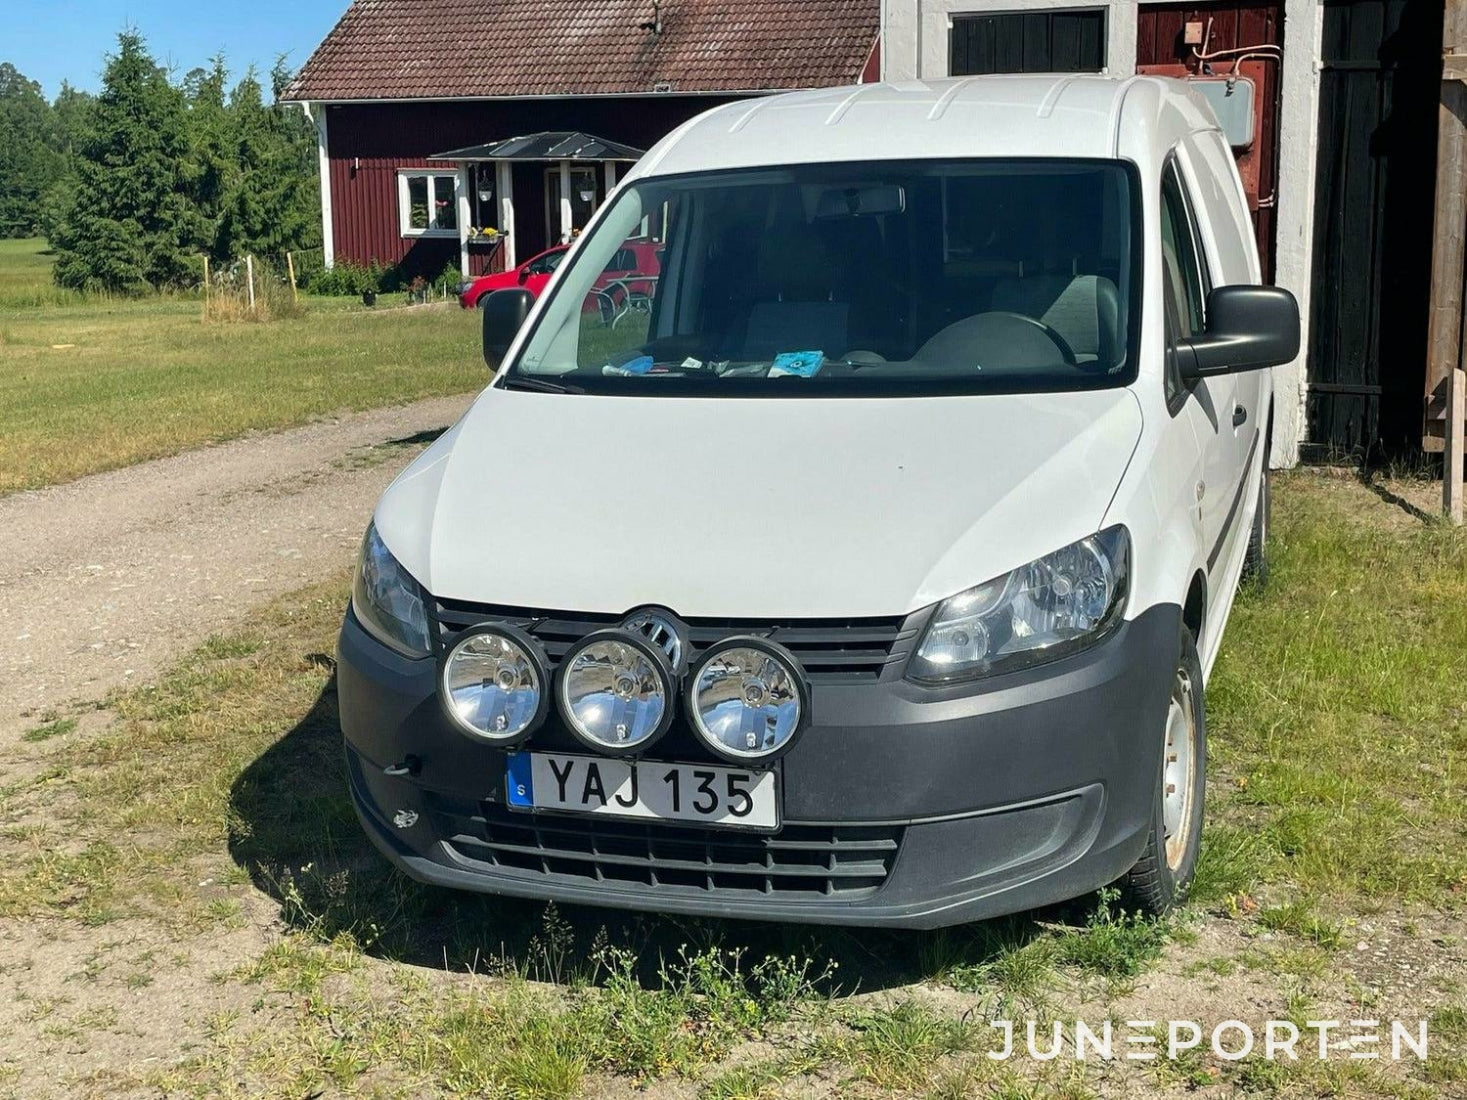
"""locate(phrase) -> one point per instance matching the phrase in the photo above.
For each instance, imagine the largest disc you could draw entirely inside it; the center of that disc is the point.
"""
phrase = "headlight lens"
(616, 692)
(387, 601)
(747, 699)
(1041, 611)
(494, 685)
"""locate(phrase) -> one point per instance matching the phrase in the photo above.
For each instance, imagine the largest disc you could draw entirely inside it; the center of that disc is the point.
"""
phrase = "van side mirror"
(1248, 328)
(504, 315)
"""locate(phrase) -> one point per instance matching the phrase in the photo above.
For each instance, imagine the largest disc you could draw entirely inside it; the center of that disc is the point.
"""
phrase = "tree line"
(133, 185)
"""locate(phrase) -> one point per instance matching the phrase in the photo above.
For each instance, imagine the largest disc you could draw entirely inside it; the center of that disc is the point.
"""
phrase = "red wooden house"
(479, 132)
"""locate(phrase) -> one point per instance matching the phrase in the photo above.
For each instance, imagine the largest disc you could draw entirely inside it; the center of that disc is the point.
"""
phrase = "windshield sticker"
(797, 364)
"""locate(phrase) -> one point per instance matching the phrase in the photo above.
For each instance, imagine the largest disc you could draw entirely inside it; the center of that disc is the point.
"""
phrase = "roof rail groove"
(846, 104)
(940, 107)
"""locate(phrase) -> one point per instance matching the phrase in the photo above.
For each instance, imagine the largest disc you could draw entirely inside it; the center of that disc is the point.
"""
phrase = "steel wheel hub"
(1177, 769)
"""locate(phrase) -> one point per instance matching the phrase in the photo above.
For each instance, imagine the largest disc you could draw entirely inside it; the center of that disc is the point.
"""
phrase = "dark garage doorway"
(1375, 183)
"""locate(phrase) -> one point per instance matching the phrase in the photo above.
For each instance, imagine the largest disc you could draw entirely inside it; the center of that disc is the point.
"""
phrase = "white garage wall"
(915, 42)
(915, 46)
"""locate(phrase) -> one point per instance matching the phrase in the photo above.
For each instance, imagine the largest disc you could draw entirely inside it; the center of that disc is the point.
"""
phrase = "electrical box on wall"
(1192, 33)
(1237, 101)
(1232, 100)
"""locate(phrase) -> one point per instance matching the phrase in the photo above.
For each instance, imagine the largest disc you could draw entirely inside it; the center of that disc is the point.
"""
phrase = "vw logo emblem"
(660, 628)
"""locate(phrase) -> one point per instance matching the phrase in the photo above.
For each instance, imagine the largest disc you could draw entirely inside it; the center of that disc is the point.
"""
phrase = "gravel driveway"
(106, 579)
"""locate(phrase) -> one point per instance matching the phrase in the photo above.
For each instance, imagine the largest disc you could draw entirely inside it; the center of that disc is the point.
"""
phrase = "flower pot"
(369, 298)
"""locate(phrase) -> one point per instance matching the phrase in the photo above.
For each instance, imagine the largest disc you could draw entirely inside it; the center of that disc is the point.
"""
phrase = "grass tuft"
(896, 1048)
(57, 727)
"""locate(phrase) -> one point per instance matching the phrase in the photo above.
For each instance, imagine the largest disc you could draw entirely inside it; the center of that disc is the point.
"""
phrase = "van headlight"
(1050, 608)
(387, 601)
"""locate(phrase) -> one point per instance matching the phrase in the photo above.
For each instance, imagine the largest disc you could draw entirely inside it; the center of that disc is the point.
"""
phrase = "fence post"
(250, 278)
(1453, 487)
(290, 266)
(206, 284)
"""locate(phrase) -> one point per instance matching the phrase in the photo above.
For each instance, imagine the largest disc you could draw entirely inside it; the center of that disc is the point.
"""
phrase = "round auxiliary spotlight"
(494, 684)
(615, 691)
(748, 700)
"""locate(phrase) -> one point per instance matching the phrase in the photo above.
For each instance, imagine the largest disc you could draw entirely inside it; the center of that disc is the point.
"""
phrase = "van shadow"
(295, 833)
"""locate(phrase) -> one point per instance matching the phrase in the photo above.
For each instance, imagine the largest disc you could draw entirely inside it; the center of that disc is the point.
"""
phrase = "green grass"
(1337, 712)
(1338, 743)
(89, 384)
(25, 277)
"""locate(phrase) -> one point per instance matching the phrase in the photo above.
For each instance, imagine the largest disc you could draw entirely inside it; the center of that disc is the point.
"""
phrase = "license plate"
(647, 789)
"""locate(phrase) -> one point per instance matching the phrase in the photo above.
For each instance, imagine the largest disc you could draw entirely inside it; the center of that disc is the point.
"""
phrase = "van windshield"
(864, 279)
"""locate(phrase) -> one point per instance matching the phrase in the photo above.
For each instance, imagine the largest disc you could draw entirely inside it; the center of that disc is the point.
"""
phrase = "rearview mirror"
(504, 315)
(851, 202)
(1248, 328)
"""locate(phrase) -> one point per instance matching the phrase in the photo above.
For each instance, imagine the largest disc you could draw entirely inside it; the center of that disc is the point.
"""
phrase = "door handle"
(1240, 415)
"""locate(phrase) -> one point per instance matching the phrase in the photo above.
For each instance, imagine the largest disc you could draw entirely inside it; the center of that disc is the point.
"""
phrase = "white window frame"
(404, 202)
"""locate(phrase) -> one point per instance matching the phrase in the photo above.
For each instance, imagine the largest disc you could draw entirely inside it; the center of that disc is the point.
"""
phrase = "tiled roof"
(428, 49)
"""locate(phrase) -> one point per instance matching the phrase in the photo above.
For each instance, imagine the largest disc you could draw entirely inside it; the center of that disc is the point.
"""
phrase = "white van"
(864, 562)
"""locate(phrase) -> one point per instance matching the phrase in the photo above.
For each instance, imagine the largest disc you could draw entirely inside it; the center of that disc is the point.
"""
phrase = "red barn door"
(1222, 40)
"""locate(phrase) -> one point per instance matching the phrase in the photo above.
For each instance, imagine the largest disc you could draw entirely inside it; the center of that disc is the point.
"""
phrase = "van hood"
(752, 508)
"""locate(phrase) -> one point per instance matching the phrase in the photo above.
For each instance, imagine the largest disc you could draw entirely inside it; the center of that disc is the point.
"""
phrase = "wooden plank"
(1453, 489)
(1038, 53)
(1444, 322)
(1145, 34)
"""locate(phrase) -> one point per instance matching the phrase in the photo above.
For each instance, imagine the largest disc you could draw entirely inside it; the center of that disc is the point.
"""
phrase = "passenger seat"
(803, 316)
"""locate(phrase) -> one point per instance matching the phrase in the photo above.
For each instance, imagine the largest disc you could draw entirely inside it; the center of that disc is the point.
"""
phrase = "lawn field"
(188, 908)
(89, 384)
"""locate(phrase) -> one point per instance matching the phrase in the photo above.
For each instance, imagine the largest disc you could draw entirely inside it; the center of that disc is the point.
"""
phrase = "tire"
(1255, 561)
(1160, 878)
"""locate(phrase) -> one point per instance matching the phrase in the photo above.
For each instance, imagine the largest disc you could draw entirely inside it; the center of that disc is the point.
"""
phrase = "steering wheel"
(1067, 353)
(1017, 335)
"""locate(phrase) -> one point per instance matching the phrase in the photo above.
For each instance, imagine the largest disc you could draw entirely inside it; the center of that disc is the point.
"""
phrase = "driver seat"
(1084, 309)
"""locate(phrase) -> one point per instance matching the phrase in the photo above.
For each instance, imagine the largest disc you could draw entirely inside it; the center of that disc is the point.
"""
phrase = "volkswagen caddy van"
(872, 574)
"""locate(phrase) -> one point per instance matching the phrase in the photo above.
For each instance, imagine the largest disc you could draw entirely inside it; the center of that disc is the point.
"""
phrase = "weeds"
(1113, 944)
(1299, 918)
(896, 1048)
(57, 727)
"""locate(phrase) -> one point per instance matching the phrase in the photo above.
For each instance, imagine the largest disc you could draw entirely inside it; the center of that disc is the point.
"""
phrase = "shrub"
(348, 279)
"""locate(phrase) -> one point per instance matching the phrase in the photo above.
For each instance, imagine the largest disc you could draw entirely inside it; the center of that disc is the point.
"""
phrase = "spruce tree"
(212, 171)
(131, 222)
(273, 205)
(31, 160)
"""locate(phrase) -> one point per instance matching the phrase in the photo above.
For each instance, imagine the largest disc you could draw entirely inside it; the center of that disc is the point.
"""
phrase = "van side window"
(1184, 289)
(1179, 252)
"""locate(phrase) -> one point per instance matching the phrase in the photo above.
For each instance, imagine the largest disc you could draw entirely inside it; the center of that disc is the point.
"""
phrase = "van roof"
(1041, 115)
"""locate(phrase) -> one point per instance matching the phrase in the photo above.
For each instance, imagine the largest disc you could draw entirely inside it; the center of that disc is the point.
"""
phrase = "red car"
(634, 267)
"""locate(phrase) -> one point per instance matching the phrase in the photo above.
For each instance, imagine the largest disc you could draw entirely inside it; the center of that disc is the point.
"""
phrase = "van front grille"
(840, 861)
(828, 649)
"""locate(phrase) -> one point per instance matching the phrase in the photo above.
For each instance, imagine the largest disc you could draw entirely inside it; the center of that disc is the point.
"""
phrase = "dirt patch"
(110, 577)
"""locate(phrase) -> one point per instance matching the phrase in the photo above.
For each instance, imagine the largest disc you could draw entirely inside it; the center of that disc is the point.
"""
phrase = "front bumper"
(903, 805)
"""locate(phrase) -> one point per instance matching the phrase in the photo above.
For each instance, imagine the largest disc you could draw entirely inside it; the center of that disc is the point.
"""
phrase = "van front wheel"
(1160, 878)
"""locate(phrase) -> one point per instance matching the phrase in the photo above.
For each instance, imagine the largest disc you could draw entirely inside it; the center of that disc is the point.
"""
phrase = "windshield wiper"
(537, 385)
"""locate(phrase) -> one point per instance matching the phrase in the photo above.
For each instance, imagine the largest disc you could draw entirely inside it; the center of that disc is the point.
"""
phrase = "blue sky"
(66, 39)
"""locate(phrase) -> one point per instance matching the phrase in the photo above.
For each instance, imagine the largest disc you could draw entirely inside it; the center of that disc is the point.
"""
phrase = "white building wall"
(1294, 253)
(915, 46)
